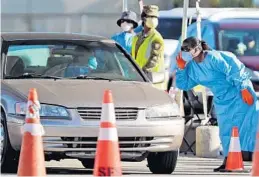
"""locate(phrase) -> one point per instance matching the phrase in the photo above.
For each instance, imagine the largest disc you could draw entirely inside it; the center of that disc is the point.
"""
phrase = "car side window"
(129, 71)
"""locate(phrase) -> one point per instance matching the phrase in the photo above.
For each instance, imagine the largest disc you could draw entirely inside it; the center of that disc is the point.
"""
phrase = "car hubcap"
(2, 136)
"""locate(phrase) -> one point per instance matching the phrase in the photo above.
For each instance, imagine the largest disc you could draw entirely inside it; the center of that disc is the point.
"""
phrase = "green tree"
(214, 3)
(248, 3)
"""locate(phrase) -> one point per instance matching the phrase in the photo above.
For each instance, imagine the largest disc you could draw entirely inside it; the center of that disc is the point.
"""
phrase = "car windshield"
(242, 42)
(170, 28)
(70, 60)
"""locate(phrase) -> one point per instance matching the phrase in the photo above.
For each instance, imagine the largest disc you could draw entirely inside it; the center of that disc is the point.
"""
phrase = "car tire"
(9, 157)
(88, 163)
(162, 162)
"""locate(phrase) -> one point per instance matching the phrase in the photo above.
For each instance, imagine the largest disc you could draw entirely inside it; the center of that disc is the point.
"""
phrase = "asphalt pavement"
(187, 165)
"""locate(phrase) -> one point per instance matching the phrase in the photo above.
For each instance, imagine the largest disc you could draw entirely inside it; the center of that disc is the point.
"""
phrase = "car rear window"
(67, 59)
(170, 28)
(242, 42)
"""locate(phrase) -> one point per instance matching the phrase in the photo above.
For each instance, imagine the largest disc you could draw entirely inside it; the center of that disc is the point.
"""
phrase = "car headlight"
(168, 111)
(45, 110)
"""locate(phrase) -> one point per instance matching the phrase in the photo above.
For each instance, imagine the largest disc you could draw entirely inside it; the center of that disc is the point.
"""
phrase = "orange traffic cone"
(255, 167)
(32, 162)
(234, 160)
(107, 158)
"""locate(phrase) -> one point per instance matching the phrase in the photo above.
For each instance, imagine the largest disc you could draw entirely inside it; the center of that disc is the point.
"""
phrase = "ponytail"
(204, 45)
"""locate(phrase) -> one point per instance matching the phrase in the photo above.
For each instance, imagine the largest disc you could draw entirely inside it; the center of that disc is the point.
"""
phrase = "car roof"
(241, 13)
(178, 12)
(240, 23)
(13, 36)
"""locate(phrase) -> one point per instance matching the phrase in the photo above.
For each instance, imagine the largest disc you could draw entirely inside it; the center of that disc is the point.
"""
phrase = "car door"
(2, 61)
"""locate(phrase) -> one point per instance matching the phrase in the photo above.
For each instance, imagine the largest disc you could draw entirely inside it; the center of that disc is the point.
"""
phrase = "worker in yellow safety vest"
(148, 45)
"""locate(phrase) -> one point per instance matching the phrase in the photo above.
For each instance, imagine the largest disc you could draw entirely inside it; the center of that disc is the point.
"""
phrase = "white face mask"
(186, 56)
(151, 22)
(126, 26)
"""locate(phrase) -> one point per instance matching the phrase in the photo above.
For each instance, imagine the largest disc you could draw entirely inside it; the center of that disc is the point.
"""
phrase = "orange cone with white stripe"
(32, 162)
(255, 167)
(107, 158)
(234, 160)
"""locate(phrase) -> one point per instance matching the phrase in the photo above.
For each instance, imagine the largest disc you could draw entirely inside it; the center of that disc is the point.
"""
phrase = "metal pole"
(83, 23)
(29, 16)
(141, 4)
(198, 19)
(68, 25)
(185, 19)
(203, 89)
(184, 35)
(124, 5)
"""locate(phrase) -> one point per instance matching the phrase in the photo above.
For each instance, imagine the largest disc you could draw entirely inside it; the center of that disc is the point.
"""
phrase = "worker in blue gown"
(234, 99)
(127, 22)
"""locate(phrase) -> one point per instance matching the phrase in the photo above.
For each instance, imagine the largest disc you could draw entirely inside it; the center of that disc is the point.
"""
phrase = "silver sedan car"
(70, 73)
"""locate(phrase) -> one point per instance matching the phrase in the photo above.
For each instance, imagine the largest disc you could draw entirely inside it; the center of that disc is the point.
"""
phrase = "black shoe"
(247, 156)
(221, 167)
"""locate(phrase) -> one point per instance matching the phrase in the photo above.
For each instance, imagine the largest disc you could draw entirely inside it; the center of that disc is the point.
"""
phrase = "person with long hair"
(234, 99)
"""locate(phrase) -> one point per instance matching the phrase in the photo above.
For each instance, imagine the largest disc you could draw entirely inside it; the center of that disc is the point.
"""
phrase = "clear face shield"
(192, 51)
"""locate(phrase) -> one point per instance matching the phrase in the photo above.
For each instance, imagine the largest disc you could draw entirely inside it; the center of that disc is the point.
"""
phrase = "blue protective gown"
(225, 75)
(74, 69)
(138, 29)
(124, 39)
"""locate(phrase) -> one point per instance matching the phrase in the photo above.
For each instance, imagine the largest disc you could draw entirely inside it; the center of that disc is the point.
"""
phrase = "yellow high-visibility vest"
(144, 52)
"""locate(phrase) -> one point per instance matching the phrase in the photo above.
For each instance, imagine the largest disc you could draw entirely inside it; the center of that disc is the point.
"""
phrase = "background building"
(80, 16)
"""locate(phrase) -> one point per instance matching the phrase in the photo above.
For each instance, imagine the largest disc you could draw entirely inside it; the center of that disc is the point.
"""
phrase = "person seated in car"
(80, 67)
(251, 45)
(233, 45)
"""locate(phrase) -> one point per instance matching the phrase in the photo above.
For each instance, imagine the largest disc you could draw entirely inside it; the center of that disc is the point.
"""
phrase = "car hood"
(89, 93)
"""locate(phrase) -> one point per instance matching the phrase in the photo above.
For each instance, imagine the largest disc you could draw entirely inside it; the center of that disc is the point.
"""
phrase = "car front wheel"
(88, 163)
(9, 158)
(162, 162)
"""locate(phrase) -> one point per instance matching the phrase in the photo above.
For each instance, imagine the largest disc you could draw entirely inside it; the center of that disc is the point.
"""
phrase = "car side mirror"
(156, 78)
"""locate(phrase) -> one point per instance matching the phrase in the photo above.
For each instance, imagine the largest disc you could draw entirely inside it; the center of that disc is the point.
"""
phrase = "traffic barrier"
(234, 160)
(32, 162)
(255, 166)
(107, 158)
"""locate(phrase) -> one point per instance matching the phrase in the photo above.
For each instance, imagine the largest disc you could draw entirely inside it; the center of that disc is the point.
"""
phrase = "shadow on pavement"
(64, 170)
(60, 170)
